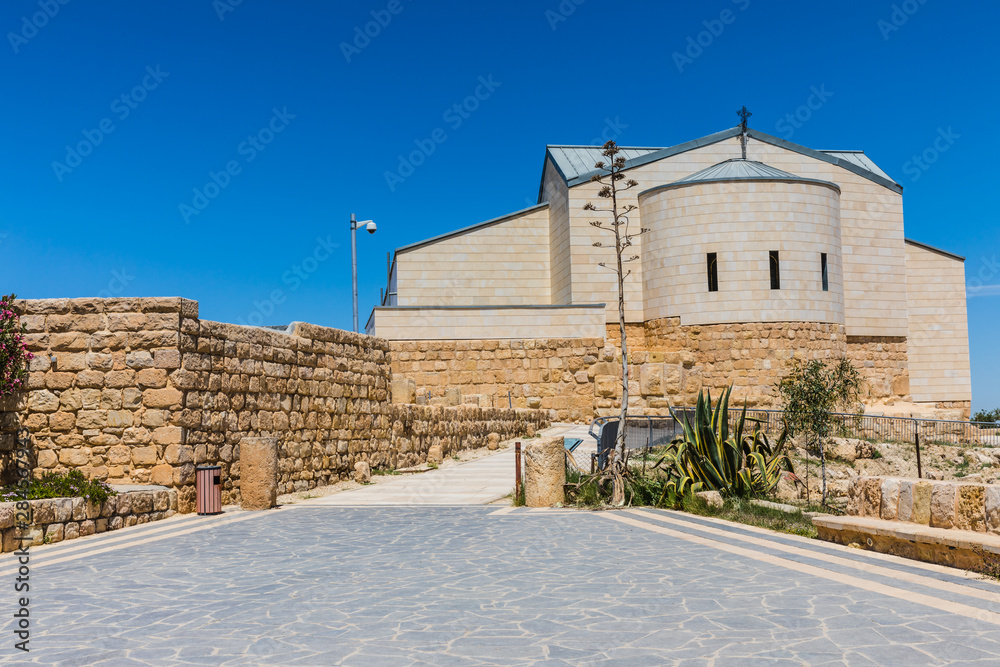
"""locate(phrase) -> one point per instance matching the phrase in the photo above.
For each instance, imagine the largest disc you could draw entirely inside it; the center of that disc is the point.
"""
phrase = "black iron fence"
(652, 431)
(643, 432)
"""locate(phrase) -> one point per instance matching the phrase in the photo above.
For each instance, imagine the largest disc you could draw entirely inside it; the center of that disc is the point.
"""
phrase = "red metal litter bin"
(208, 489)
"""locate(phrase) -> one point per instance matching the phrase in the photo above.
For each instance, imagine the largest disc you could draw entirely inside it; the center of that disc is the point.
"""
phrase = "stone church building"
(789, 253)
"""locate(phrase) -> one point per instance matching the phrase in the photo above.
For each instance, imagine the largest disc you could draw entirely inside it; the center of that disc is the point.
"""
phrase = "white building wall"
(555, 192)
(742, 222)
(506, 263)
(938, 344)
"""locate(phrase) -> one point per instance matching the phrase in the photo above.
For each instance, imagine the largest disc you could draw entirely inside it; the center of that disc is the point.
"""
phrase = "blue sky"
(225, 144)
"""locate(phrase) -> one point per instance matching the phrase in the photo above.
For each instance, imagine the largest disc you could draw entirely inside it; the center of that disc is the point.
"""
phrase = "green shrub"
(990, 416)
(58, 485)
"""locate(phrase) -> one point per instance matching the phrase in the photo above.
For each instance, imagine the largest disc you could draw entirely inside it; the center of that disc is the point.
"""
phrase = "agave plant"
(712, 456)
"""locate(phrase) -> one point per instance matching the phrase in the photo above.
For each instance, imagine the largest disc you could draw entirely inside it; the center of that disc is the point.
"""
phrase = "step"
(944, 546)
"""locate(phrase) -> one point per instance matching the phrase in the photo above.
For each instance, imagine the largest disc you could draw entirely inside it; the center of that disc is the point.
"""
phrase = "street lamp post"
(370, 226)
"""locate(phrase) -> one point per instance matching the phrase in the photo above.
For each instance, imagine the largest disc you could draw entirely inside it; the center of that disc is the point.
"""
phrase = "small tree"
(611, 180)
(14, 353)
(812, 391)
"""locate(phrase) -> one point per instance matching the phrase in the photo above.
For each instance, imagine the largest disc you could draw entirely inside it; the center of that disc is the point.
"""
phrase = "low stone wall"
(58, 519)
(416, 429)
(939, 504)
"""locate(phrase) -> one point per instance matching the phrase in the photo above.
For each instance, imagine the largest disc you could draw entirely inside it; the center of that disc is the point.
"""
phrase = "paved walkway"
(476, 482)
(435, 583)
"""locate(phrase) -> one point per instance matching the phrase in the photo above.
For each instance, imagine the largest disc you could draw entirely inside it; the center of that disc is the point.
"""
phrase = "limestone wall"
(939, 504)
(501, 262)
(137, 391)
(741, 223)
(578, 379)
(938, 327)
(483, 322)
(102, 394)
(552, 374)
(884, 364)
(58, 519)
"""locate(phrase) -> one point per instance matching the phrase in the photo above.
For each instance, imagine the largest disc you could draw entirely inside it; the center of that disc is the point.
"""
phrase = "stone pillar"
(544, 472)
(404, 390)
(258, 473)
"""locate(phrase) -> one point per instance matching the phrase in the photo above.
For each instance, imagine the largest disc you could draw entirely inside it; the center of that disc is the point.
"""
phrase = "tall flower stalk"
(613, 184)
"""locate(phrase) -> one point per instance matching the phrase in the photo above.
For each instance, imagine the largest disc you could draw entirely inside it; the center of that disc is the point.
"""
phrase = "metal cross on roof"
(743, 114)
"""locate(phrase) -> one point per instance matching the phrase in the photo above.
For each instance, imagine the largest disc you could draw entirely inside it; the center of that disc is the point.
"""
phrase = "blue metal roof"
(738, 169)
(576, 163)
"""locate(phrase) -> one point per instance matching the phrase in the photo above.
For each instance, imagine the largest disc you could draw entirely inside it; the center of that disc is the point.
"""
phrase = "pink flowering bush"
(14, 355)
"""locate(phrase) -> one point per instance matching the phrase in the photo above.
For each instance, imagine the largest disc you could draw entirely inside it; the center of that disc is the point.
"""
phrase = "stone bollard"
(544, 472)
(258, 473)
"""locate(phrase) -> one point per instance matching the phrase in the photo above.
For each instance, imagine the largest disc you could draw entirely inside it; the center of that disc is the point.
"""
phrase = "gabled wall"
(938, 344)
(501, 263)
(555, 192)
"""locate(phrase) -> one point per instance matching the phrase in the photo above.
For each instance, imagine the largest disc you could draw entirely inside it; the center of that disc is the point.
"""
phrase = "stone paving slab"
(469, 586)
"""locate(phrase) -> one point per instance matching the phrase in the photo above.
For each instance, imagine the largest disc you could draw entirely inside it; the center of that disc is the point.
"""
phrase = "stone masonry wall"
(551, 374)
(882, 361)
(101, 394)
(58, 519)
(137, 391)
(669, 364)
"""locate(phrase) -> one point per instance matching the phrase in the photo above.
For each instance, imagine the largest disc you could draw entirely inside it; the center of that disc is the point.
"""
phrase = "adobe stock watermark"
(898, 17)
(30, 25)
(23, 519)
(119, 281)
(121, 108)
(454, 116)
(223, 7)
(979, 285)
(612, 130)
(696, 44)
(248, 150)
(296, 274)
(918, 164)
(795, 120)
(363, 35)
(562, 12)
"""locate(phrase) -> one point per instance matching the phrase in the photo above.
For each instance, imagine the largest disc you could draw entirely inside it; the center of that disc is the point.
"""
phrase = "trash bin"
(208, 489)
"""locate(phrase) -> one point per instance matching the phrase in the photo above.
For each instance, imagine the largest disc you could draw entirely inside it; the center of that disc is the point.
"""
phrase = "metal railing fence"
(648, 431)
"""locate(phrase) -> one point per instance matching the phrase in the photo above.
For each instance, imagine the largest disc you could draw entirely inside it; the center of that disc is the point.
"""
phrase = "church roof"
(738, 169)
(576, 163)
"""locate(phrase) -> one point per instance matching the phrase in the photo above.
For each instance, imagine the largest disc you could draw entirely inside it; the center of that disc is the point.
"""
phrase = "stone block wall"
(938, 504)
(137, 391)
(323, 392)
(556, 374)
(669, 364)
(58, 519)
(882, 361)
(101, 391)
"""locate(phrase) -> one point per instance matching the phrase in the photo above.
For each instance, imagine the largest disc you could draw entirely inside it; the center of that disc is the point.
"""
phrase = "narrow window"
(713, 272)
(826, 273)
(775, 270)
